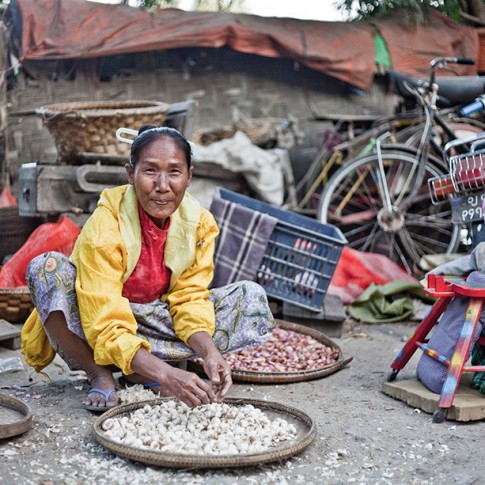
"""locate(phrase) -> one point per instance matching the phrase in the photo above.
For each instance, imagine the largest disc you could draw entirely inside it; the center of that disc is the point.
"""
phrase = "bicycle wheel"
(352, 201)
(412, 136)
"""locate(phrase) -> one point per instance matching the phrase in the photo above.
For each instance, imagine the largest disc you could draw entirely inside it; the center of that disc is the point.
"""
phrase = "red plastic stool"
(445, 289)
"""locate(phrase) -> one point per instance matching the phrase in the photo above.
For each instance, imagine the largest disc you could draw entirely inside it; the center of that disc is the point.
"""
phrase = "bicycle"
(465, 184)
(352, 136)
(381, 201)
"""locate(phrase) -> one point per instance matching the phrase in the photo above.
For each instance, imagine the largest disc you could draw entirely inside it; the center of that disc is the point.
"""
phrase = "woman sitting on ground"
(134, 296)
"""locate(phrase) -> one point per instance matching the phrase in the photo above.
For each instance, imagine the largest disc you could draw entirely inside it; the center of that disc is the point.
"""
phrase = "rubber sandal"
(99, 409)
(122, 381)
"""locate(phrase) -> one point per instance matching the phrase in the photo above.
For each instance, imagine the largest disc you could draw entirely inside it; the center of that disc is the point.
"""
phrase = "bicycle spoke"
(355, 230)
(366, 239)
(404, 234)
(359, 191)
(438, 222)
(409, 244)
(381, 242)
(396, 175)
(429, 213)
(403, 259)
(429, 243)
(434, 242)
(406, 187)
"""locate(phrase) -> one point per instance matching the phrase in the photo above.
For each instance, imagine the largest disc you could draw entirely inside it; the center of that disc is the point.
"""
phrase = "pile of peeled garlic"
(210, 429)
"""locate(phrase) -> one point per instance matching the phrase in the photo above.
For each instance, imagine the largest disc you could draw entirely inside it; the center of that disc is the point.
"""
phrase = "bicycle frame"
(380, 200)
(426, 95)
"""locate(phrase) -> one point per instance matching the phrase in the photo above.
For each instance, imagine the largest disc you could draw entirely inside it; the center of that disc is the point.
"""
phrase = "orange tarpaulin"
(77, 29)
(411, 49)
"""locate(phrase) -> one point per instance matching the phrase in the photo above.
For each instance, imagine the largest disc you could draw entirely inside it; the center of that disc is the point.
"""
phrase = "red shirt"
(151, 278)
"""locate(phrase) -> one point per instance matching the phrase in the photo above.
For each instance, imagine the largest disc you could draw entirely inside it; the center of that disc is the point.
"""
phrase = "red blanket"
(356, 270)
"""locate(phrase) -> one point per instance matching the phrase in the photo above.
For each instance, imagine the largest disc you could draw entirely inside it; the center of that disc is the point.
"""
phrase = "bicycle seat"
(453, 91)
(460, 90)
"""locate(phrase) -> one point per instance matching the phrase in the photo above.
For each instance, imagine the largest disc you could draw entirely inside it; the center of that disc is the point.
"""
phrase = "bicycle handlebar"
(452, 60)
(463, 60)
(442, 61)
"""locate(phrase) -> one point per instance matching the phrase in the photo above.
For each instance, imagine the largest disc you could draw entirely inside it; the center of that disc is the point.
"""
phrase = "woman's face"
(160, 177)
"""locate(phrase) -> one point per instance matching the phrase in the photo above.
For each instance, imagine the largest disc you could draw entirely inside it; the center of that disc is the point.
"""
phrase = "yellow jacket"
(106, 254)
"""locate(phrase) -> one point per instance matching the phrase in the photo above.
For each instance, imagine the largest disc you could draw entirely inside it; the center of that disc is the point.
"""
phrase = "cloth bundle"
(444, 338)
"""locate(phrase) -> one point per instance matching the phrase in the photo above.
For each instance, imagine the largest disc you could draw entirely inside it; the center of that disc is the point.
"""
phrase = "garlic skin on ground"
(210, 429)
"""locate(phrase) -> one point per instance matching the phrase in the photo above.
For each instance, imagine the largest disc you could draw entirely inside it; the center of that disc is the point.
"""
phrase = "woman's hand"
(186, 386)
(219, 374)
(216, 368)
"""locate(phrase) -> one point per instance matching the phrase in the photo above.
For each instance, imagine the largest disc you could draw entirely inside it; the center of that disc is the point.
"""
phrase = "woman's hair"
(147, 134)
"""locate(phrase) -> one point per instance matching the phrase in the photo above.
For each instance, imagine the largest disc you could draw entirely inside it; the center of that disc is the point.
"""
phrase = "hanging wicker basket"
(90, 127)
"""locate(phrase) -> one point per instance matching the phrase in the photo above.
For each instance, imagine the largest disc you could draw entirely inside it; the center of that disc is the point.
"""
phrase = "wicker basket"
(90, 127)
(15, 304)
(306, 432)
(287, 377)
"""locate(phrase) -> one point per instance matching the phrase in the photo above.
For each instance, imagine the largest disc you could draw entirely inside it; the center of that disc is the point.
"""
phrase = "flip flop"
(99, 409)
(122, 381)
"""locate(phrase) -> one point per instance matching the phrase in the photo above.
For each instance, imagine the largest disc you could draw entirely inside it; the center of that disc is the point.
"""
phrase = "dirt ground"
(363, 436)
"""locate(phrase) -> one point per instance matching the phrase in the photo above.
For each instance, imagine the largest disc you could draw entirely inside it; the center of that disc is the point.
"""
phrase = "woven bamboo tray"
(15, 417)
(15, 304)
(289, 377)
(306, 433)
(90, 127)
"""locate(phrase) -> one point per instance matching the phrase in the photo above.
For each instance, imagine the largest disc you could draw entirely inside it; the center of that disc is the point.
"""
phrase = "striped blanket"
(242, 241)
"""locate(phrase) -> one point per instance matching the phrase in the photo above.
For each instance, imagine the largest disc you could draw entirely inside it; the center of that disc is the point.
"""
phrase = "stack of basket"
(15, 303)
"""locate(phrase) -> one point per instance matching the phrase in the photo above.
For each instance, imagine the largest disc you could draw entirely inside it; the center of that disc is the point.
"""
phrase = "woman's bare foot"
(96, 399)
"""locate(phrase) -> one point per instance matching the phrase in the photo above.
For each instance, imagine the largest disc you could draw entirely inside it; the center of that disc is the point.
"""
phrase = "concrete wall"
(225, 84)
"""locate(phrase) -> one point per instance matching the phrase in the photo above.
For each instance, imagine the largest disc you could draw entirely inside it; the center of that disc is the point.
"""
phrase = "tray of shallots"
(236, 432)
(293, 353)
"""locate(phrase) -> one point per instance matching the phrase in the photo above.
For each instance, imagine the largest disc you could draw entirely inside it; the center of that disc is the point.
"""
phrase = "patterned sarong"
(243, 317)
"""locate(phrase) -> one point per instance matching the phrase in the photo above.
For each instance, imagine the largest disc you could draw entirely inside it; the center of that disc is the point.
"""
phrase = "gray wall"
(224, 84)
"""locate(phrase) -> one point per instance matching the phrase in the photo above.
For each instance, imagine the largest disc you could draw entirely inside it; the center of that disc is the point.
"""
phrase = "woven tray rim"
(182, 460)
(290, 377)
(16, 427)
(101, 108)
(21, 290)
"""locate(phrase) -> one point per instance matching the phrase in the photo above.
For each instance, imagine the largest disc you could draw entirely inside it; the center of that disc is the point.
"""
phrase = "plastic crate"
(300, 257)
